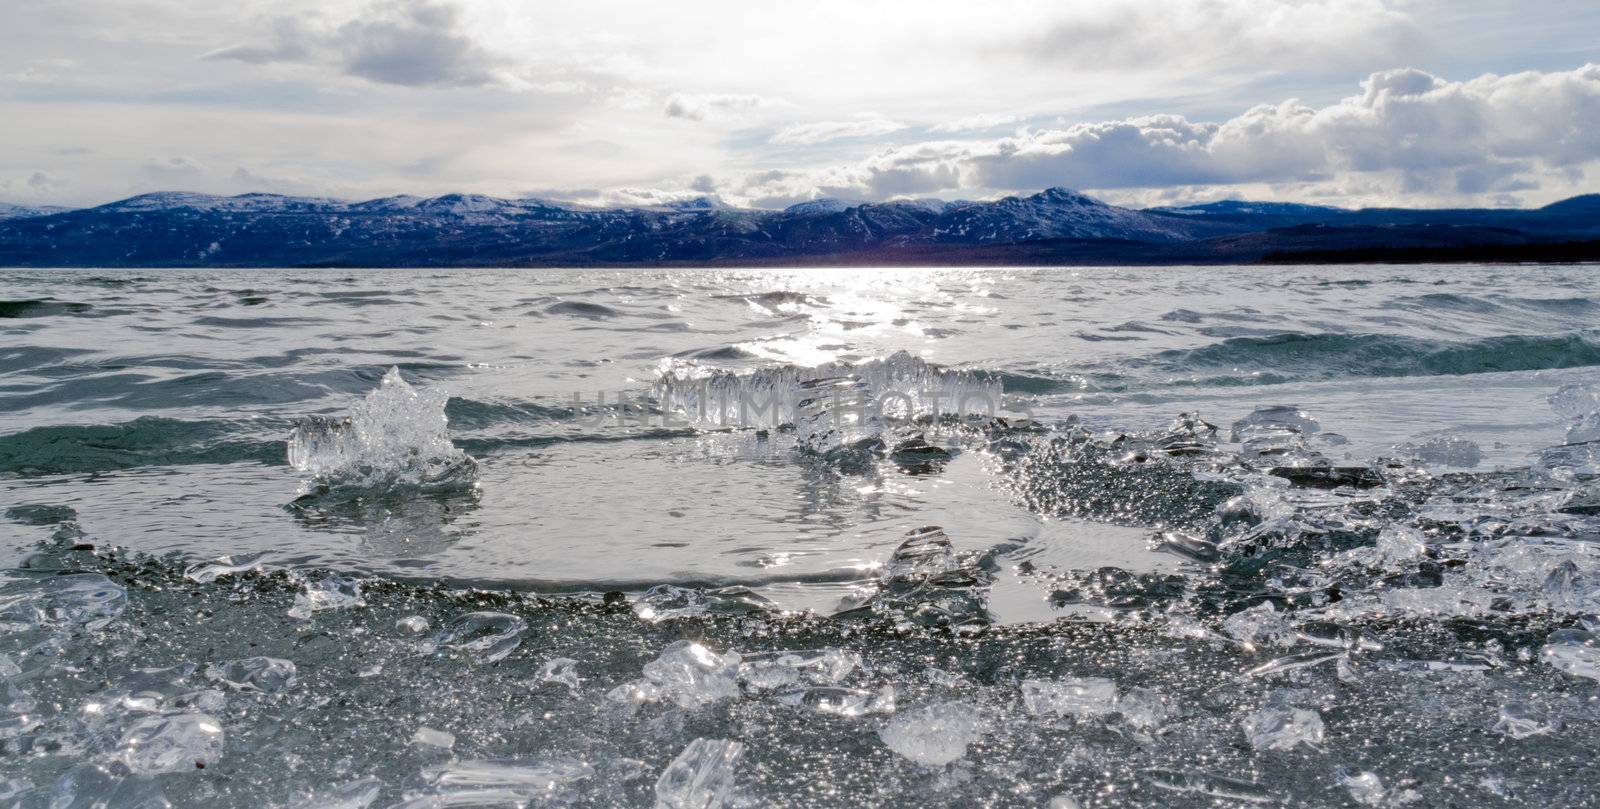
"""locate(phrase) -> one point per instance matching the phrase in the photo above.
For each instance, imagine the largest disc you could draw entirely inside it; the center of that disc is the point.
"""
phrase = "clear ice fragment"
(701, 777)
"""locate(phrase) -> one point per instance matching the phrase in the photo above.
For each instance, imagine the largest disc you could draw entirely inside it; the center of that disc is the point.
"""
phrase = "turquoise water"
(1359, 568)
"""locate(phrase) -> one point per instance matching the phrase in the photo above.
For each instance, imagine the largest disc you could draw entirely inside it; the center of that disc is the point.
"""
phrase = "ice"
(87, 600)
(701, 777)
(562, 670)
(924, 554)
(831, 405)
(412, 625)
(532, 779)
(687, 674)
(1574, 652)
(210, 571)
(1080, 697)
(764, 671)
(1365, 788)
(1258, 626)
(396, 434)
(839, 701)
(176, 743)
(1209, 784)
(1521, 722)
(1399, 545)
(1445, 450)
(329, 591)
(485, 637)
(1144, 708)
(153, 690)
(1576, 400)
(265, 674)
(934, 734)
(1282, 724)
(358, 794)
(1274, 431)
(665, 602)
(433, 737)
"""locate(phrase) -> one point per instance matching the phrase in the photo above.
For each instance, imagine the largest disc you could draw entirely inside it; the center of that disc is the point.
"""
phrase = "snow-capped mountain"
(9, 211)
(1054, 226)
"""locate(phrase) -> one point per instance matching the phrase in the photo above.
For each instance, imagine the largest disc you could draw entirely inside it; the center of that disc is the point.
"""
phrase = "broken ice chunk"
(174, 743)
(763, 671)
(358, 794)
(265, 674)
(1572, 651)
(839, 701)
(563, 670)
(701, 777)
(1081, 697)
(329, 592)
(1282, 724)
(486, 636)
(926, 553)
(432, 737)
(1521, 722)
(692, 675)
(1204, 783)
(934, 734)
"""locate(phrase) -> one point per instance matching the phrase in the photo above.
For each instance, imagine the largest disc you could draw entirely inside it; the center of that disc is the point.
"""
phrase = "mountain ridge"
(183, 229)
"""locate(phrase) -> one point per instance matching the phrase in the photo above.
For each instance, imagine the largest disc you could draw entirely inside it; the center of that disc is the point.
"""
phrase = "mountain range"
(1055, 226)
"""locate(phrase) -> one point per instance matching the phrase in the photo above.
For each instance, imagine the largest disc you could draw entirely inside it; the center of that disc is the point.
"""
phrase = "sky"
(1140, 102)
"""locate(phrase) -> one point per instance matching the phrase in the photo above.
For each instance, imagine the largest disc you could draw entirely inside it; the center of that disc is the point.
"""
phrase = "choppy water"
(1320, 536)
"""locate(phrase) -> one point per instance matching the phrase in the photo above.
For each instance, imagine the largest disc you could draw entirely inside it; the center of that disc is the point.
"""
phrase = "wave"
(1295, 355)
(145, 441)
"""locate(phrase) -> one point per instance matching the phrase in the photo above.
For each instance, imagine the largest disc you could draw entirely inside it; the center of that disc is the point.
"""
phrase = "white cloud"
(976, 123)
(1408, 130)
(821, 131)
(712, 105)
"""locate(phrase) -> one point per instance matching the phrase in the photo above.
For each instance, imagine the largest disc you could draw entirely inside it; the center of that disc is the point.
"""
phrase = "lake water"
(1317, 535)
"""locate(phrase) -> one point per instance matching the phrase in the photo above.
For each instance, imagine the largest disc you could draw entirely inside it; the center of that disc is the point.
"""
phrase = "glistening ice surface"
(1312, 537)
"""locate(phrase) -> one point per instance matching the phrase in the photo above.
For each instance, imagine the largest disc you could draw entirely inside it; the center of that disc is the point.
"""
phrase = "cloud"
(976, 123)
(1220, 34)
(821, 131)
(411, 43)
(700, 107)
(1407, 130)
(172, 172)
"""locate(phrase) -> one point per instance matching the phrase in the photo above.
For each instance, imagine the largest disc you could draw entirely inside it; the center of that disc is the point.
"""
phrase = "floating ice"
(265, 674)
(486, 637)
(87, 600)
(686, 673)
(1079, 697)
(1144, 708)
(397, 434)
(1282, 724)
(412, 625)
(433, 737)
(1521, 722)
(1574, 652)
(831, 405)
(536, 779)
(176, 743)
(562, 670)
(1210, 784)
(1445, 450)
(327, 592)
(1274, 431)
(204, 572)
(839, 701)
(1365, 787)
(1260, 625)
(764, 671)
(358, 794)
(1576, 400)
(934, 734)
(701, 777)
(665, 602)
(924, 554)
